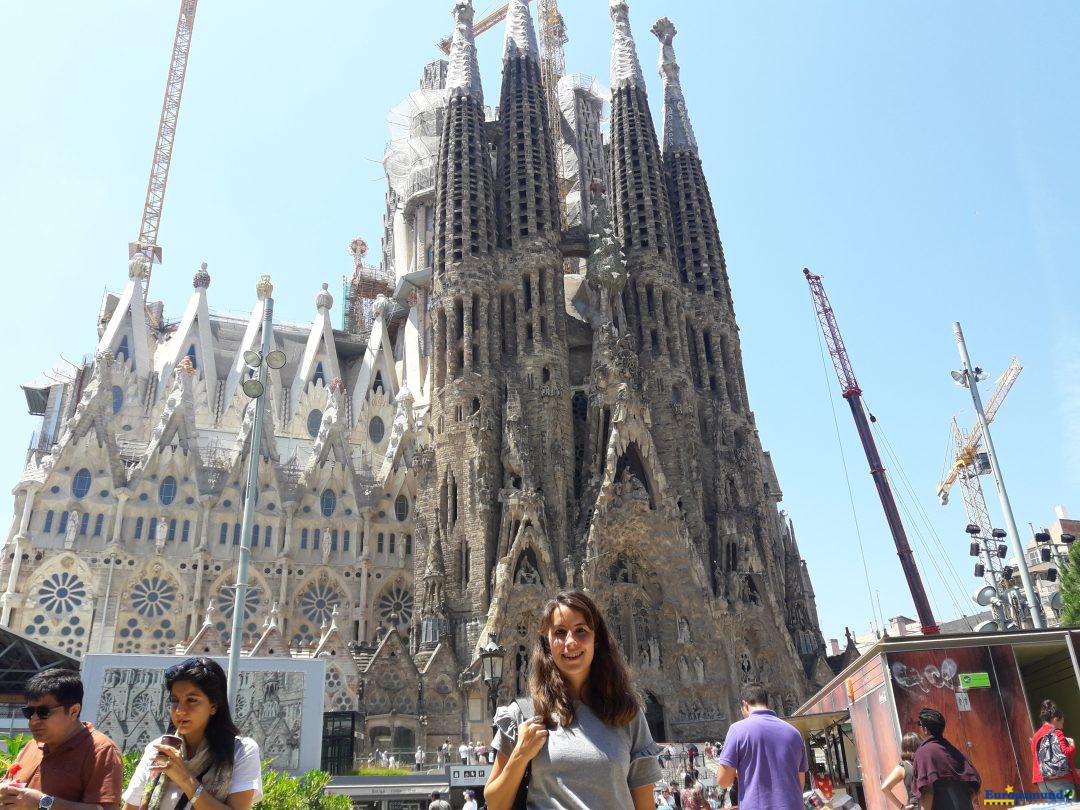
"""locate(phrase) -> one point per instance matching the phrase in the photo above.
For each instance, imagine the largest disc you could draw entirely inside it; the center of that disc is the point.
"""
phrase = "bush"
(283, 792)
(12, 745)
(280, 791)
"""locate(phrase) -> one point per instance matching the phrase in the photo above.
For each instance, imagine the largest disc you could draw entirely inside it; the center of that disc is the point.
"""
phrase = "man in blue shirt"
(766, 753)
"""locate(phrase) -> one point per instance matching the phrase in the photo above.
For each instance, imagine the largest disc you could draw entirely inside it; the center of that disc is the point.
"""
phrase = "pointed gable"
(193, 339)
(319, 362)
(208, 640)
(127, 336)
(271, 643)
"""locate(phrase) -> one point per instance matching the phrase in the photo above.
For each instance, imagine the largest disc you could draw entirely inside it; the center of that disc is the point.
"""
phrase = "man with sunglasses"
(69, 766)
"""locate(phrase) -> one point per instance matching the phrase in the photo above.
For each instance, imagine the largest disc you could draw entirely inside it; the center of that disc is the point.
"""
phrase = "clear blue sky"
(921, 156)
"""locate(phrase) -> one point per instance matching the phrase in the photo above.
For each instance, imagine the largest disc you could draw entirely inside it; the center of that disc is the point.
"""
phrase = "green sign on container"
(970, 680)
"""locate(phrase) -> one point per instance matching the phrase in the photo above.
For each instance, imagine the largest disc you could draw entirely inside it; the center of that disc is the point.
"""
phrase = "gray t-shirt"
(587, 765)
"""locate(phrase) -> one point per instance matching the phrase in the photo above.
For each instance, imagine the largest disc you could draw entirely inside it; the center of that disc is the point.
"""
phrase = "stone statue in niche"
(643, 656)
(72, 529)
(746, 666)
(684, 630)
(654, 652)
(527, 573)
(684, 670)
(521, 667)
(699, 669)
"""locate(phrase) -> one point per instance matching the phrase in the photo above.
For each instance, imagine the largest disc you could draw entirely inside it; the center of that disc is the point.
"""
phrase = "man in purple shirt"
(767, 754)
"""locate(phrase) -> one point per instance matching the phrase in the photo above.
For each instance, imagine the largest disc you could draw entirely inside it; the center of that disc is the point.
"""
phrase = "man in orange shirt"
(69, 765)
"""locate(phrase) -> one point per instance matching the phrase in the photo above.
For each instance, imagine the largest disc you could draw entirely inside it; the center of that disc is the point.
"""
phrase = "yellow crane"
(967, 466)
(147, 244)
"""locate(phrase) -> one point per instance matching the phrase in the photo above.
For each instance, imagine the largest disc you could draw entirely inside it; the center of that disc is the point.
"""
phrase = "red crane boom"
(853, 394)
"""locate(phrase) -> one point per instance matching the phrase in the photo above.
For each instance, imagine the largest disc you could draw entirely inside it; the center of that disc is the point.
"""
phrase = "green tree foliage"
(1069, 576)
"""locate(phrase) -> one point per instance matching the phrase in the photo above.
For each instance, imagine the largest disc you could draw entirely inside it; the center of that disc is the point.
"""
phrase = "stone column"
(32, 490)
(19, 544)
(365, 572)
(204, 523)
(287, 543)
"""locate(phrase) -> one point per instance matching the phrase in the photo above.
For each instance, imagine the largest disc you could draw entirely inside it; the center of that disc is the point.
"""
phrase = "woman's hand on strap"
(532, 734)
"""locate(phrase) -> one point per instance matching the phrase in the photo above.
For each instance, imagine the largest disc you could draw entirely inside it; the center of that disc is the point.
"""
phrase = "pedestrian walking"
(438, 802)
(463, 752)
(691, 755)
(68, 760)
(213, 766)
(470, 800)
(766, 753)
(945, 779)
(692, 797)
(418, 758)
(586, 742)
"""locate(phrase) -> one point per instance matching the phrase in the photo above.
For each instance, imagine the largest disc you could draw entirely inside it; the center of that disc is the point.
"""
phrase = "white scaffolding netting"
(584, 103)
(413, 150)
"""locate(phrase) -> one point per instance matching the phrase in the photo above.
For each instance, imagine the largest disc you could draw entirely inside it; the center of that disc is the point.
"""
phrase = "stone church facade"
(540, 404)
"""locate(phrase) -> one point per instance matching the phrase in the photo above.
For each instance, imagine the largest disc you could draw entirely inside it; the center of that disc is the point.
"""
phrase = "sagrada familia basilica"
(549, 394)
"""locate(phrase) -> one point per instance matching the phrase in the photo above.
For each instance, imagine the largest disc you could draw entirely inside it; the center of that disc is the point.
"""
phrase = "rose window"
(62, 593)
(318, 603)
(153, 597)
(396, 606)
(225, 601)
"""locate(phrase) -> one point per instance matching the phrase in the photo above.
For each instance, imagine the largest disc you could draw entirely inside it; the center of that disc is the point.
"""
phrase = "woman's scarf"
(161, 793)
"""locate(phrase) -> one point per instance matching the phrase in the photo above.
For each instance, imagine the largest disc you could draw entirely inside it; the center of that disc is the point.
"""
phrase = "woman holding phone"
(586, 742)
(202, 763)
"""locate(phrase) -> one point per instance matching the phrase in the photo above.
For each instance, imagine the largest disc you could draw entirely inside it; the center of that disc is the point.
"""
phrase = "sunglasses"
(186, 666)
(43, 712)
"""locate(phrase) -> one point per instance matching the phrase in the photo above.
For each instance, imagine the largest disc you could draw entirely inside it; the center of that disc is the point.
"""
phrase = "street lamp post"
(254, 388)
(491, 667)
(969, 378)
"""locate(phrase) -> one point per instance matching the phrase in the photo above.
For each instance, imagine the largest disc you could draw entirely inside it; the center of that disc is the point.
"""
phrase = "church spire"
(520, 34)
(678, 131)
(699, 252)
(465, 195)
(639, 199)
(625, 67)
(528, 192)
(463, 75)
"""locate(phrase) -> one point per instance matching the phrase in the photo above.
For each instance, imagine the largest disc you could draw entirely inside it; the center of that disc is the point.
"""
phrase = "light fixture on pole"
(491, 669)
(969, 377)
(253, 387)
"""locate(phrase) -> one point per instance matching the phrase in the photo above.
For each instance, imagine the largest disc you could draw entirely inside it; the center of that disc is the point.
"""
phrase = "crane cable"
(941, 550)
(843, 461)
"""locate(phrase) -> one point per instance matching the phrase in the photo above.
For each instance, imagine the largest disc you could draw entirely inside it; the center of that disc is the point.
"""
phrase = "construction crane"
(967, 466)
(552, 36)
(967, 448)
(147, 244)
(479, 27)
(853, 394)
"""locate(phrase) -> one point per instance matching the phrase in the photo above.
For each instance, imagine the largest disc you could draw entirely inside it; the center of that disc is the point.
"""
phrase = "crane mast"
(853, 394)
(147, 244)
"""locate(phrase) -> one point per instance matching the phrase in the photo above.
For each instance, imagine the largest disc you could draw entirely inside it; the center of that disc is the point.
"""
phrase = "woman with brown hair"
(904, 771)
(585, 744)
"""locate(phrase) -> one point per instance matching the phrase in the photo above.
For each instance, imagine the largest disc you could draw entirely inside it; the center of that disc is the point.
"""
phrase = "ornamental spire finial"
(520, 33)
(625, 67)
(463, 75)
(678, 132)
